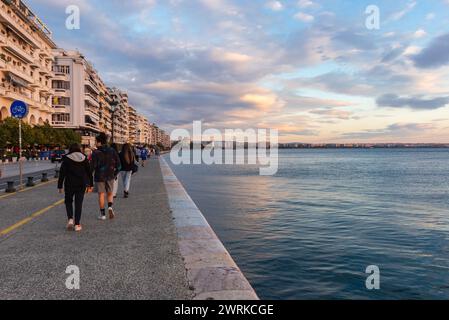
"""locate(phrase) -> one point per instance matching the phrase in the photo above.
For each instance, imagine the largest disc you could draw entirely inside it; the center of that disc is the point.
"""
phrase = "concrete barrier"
(211, 271)
(10, 188)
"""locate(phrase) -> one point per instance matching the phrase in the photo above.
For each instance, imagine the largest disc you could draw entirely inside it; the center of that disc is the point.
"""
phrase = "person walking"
(128, 161)
(144, 155)
(106, 166)
(115, 189)
(75, 179)
(137, 153)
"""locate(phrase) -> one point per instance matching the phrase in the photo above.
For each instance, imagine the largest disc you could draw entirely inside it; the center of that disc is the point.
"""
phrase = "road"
(135, 256)
(10, 172)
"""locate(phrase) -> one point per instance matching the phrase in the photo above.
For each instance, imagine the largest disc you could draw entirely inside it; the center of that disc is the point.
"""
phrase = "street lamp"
(114, 105)
(138, 135)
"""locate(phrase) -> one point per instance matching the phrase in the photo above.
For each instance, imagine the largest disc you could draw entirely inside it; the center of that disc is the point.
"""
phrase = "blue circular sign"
(19, 109)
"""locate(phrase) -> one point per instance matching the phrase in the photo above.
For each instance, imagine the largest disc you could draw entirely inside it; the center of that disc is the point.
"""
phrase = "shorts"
(104, 187)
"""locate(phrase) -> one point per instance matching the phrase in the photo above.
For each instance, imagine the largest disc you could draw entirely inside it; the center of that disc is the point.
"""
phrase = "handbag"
(135, 168)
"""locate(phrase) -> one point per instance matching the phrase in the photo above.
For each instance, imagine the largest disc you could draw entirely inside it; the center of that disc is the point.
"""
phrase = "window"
(61, 69)
(61, 101)
(60, 117)
(58, 84)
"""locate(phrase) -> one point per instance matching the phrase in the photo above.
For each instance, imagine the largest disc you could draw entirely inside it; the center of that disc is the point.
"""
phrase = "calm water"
(310, 231)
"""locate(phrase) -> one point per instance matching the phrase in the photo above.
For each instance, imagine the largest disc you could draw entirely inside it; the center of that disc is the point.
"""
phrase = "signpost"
(19, 110)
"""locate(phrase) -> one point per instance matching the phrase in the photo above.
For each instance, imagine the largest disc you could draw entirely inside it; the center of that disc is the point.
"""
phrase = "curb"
(16, 162)
(211, 271)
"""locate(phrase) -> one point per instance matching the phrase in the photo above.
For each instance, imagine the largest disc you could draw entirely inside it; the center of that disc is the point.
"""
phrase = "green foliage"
(41, 135)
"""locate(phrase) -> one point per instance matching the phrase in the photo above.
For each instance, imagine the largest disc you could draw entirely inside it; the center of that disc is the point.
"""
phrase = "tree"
(41, 135)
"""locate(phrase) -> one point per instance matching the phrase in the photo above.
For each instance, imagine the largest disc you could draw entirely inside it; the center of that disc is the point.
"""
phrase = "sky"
(309, 68)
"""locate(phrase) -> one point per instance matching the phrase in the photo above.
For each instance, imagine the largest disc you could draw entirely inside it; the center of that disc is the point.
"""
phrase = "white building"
(76, 102)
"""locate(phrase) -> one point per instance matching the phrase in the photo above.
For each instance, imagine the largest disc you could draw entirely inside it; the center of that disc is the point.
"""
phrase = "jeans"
(126, 176)
(79, 198)
(115, 189)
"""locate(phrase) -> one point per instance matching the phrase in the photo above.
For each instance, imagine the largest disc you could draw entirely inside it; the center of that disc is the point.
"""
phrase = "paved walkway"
(135, 256)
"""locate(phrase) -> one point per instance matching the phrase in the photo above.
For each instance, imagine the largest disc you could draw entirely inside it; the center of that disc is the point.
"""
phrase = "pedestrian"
(106, 166)
(115, 147)
(128, 162)
(137, 154)
(144, 155)
(75, 180)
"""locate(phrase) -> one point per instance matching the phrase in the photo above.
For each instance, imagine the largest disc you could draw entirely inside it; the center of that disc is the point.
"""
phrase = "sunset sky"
(308, 68)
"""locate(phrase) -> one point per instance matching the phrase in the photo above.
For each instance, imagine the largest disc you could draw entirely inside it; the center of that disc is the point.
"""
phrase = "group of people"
(99, 172)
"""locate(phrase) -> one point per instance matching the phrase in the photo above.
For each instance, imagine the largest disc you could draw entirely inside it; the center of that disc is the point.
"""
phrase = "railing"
(59, 123)
(19, 73)
(91, 84)
(89, 98)
(18, 49)
(10, 93)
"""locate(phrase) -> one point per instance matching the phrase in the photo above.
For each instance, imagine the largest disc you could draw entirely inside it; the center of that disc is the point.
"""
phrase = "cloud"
(400, 14)
(435, 55)
(275, 5)
(420, 33)
(220, 6)
(333, 113)
(304, 17)
(392, 131)
(233, 63)
(306, 4)
(415, 102)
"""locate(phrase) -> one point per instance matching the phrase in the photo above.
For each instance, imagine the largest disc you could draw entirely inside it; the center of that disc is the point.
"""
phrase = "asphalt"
(135, 256)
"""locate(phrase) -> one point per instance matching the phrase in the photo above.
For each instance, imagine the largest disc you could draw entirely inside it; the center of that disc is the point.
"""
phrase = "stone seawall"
(210, 269)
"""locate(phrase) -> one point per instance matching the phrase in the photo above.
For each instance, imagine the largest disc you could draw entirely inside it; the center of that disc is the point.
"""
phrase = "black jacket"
(127, 166)
(75, 173)
(105, 164)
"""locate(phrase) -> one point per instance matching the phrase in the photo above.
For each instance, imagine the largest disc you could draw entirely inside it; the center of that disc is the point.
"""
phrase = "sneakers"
(78, 228)
(102, 217)
(70, 225)
(111, 213)
(126, 194)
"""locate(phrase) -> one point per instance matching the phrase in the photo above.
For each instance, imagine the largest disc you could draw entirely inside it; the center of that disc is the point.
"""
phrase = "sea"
(317, 228)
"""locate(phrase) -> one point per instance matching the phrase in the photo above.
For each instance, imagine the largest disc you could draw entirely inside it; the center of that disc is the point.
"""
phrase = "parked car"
(57, 155)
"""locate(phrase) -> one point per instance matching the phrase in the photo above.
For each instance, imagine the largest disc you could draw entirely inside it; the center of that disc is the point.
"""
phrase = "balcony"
(60, 76)
(19, 73)
(61, 109)
(91, 100)
(17, 50)
(62, 92)
(16, 95)
(13, 23)
(3, 39)
(92, 85)
(93, 114)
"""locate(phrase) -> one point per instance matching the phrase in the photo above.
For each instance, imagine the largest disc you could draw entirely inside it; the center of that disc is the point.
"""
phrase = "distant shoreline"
(363, 146)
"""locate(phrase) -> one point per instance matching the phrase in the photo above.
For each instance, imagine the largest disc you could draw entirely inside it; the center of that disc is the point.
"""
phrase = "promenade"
(159, 247)
(135, 256)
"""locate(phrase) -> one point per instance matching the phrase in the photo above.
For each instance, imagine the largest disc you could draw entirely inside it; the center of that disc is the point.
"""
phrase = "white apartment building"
(119, 115)
(133, 125)
(76, 102)
(25, 62)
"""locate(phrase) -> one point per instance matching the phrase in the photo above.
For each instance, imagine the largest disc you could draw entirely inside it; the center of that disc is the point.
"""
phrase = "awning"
(17, 81)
